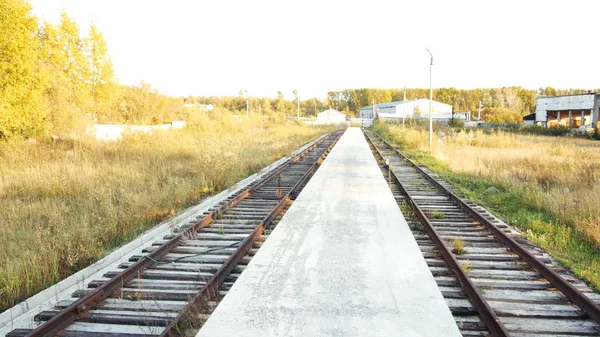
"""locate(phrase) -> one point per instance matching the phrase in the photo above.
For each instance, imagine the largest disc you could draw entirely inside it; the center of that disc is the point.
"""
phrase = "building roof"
(587, 93)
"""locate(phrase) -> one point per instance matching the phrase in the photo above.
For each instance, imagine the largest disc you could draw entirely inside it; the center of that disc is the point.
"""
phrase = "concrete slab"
(21, 316)
(342, 262)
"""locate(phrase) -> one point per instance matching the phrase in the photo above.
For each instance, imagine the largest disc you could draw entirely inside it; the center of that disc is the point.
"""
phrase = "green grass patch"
(517, 203)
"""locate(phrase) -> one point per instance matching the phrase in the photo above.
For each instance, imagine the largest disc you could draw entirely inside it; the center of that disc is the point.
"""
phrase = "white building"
(331, 116)
(571, 110)
(415, 107)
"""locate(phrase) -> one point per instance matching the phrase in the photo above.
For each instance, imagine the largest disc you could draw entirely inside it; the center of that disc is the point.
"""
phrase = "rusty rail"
(82, 307)
(210, 289)
(574, 295)
(487, 314)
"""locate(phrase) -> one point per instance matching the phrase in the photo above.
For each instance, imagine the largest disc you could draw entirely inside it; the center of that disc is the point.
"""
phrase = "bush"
(456, 123)
(558, 130)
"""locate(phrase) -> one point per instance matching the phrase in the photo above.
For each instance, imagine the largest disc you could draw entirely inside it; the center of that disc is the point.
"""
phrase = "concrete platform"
(342, 262)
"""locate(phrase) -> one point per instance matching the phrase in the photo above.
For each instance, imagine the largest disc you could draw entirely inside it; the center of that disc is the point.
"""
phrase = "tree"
(279, 103)
(75, 63)
(501, 116)
(101, 74)
(67, 64)
(21, 86)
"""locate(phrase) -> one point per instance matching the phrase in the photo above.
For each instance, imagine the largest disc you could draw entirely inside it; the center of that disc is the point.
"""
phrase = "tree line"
(262, 105)
(498, 105)
(53, 80)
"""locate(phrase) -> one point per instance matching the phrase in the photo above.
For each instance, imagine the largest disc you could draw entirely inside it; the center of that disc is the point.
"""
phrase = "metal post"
(570, 118)
(479, 111)
(430, 99)
(404, 107)
(373, 117)
(246, 107)
(298, 101)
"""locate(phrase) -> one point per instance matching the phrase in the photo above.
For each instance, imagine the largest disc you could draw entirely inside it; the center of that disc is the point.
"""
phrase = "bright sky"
(219, 47)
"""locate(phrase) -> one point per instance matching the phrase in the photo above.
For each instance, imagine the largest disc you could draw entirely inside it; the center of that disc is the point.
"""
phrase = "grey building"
(570, 110)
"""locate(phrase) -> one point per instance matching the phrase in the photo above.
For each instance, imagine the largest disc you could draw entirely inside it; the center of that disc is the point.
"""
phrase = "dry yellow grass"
(550, 185)
(67, 204)
(560, 175)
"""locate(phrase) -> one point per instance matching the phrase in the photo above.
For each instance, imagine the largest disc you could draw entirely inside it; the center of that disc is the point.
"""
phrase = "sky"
(219, 47)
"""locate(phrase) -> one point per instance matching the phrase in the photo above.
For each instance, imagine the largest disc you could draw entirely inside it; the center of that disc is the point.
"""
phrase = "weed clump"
(458, 246)
(438, 215)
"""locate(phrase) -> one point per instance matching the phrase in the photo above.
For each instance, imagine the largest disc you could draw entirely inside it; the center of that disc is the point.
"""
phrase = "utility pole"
(404, 106)
(373, 108)
(298, 102)
(245, 96)
(430, 99)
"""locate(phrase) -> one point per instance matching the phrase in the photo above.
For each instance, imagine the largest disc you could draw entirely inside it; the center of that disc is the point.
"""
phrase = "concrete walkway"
(342, 262)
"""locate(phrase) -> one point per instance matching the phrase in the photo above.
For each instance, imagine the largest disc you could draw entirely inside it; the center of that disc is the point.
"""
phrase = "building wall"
(562, 103)
(396, 109)
(596, 110)
(331, 117)
(366, 113)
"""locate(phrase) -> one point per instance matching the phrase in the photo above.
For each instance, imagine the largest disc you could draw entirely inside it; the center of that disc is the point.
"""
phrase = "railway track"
(172, 289)
(498, 283)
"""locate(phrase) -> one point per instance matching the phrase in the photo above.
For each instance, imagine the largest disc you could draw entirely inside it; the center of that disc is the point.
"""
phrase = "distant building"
(418, 108)
(571, 110)
(529, 119)
(331, 116)
(200, 107)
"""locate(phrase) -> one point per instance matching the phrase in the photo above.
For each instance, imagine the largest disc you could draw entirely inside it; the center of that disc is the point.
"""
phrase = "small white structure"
(116, 131)
(200, 107)
(571, 110)
(331, 116)
(418, 108)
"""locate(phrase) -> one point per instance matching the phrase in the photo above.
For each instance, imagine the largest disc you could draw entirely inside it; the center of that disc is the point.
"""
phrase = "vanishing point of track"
(501, 284)
(173, 288)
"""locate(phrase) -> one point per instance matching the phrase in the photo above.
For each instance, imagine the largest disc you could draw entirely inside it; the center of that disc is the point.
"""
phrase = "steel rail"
(185, 318)
(487, 314)
(574, 295)
(82, 307)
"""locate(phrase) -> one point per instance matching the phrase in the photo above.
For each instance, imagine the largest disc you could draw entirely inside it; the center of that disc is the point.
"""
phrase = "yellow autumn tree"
(22, 113)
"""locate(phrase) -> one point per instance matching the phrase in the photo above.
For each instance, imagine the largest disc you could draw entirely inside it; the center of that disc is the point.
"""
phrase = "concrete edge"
(45, 298)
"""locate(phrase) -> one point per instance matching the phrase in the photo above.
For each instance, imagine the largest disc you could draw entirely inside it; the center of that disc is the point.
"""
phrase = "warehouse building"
(571, 110)
(417, 108)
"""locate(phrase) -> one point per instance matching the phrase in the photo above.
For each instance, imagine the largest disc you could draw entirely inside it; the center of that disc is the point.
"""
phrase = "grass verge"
(546, 187)
(67, 204)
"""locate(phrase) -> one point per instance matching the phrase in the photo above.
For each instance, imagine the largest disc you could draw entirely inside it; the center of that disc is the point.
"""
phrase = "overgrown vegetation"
(66, 204)
(437, 215)
(548, 187)
(53, 80)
